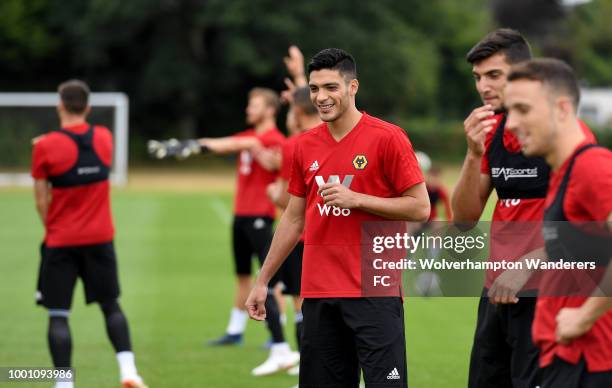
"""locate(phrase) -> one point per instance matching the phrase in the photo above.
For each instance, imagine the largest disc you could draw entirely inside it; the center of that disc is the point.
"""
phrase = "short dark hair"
(504, 40)
(74, 95)
(553, 73)
(270, 97)
(301, 99)
(334, 59)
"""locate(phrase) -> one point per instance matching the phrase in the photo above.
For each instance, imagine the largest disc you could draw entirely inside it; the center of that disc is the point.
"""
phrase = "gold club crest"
(360, 162)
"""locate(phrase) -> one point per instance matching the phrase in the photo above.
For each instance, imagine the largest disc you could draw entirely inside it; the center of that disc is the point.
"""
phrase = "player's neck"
(71, 120)
(566, 143)
(265, 125)
(344, 124)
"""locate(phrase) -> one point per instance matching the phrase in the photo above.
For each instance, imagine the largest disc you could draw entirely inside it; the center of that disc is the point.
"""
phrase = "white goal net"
(24, 116)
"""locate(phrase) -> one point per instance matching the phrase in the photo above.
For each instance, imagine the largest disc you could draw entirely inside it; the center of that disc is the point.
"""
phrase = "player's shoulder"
(593, 162)
(47, 139)
(593, 165)
(274, 132)
(381, 127)
(103, 132)
(246, 132)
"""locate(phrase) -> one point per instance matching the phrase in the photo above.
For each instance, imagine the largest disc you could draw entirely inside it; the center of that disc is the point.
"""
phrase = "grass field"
(177, 289)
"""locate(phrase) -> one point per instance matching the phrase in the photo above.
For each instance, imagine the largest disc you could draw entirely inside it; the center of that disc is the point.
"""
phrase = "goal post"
(120, 127)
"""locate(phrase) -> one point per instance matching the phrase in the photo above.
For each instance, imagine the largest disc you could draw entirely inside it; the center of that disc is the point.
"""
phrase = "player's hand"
(476, 126)
(571, 324)
(273, 191)
(295, 64)
(287, 94)
(336, 194)
(507, 285)
(268, 158)
(256, 301)
(173, 148)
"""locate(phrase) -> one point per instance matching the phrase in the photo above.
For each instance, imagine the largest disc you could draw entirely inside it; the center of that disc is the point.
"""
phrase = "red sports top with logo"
(530, 209)
(374, 158)
(584, 201)
(79, 215)
(251, 198)
(510, 239)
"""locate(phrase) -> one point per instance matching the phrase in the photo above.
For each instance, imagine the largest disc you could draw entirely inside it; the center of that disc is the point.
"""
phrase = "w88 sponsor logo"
(327, 210)
(333, 210)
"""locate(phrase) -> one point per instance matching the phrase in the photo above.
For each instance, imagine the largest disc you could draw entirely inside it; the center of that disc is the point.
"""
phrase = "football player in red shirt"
(503, 353)
(351, 169)
(71, 167)
(573, 333)
(254, 215)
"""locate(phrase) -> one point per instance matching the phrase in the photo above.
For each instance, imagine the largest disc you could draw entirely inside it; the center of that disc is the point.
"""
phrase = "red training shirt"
(78, 215)
(374, 158)
(584, 201)
(251, 198)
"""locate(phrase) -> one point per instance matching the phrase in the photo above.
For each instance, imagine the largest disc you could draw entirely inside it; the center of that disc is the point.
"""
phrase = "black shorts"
(503, 353)
(250, 236)
(562, 374)
(340, 335)
(290, 273)
(59, 269)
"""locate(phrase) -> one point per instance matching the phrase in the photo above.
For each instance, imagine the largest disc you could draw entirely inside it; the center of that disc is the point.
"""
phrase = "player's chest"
(354, 165)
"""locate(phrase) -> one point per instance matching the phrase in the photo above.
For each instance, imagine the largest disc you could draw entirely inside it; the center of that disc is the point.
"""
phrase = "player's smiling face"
(530, 116)
(490, 76)
(330, 93)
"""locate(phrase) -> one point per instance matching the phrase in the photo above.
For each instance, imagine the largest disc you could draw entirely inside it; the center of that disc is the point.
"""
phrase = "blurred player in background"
(428, 283)
(254, 215)
(573, 333)
(71, 169)
(435, 188)
(437, 193)
(378, 178)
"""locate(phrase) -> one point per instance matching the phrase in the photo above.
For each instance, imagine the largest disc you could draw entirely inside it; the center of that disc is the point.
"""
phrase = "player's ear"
(565, 107)
(353, 87)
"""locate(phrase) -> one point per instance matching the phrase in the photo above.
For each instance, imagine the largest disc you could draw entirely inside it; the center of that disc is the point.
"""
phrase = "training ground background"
(173, 246)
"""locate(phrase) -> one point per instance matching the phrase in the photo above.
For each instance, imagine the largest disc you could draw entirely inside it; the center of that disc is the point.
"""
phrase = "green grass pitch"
(177, 289)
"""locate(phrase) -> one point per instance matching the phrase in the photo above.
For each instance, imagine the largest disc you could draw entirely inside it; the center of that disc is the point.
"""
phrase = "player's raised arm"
(229, 144)
(465, 205)
(285, 238)
(182, 149)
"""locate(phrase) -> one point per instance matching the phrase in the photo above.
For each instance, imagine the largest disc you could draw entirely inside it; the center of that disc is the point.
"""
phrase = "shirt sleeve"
(39, 161)
(272, 139)
(401, 167)
(297, 185)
